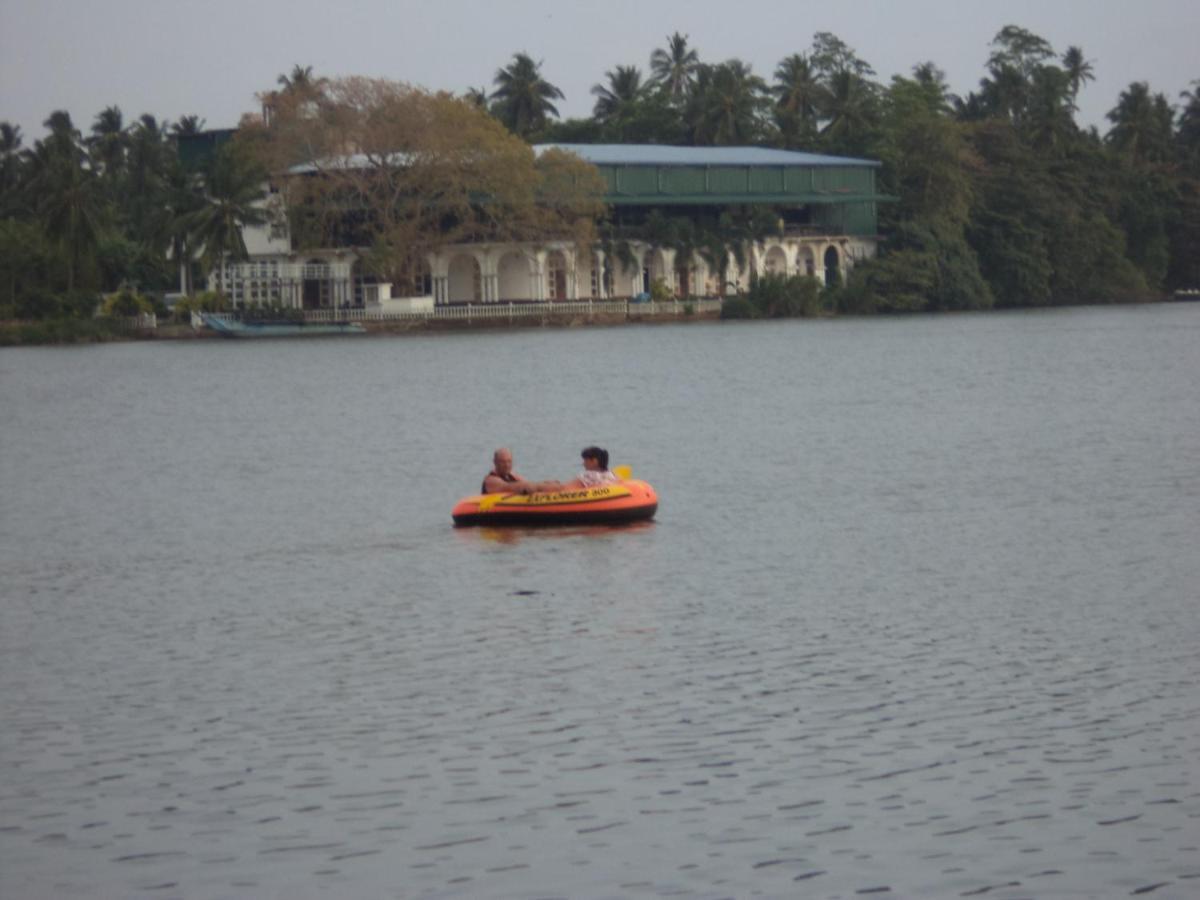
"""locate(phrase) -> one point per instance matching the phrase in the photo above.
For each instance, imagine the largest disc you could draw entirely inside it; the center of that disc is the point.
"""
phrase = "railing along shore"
(469, 312)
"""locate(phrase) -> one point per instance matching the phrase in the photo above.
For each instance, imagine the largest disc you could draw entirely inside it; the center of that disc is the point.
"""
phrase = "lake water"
(919, 615)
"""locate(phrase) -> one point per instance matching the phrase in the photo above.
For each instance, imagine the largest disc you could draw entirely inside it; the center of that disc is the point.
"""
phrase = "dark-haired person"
(503, 480)
(595, 471)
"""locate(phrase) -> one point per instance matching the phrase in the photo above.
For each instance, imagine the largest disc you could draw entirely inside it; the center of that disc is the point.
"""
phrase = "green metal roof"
(664, 155)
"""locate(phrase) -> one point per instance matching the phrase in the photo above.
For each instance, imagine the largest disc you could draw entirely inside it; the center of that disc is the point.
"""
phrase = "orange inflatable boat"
(614, 504)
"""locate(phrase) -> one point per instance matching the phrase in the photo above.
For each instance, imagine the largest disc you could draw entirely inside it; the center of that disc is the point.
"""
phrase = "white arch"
(515, 276)
(775, 261)
(465, 276)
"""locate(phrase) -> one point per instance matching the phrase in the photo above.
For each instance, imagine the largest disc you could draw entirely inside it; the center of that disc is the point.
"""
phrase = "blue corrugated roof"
(663, 155)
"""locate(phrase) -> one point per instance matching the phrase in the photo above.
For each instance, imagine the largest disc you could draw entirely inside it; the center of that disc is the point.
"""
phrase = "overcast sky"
(210, 57)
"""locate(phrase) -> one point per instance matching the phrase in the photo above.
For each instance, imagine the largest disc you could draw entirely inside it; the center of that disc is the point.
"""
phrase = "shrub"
(782, 296)
(738, 307)
(659, 292)
(125, 304)
(208, 301)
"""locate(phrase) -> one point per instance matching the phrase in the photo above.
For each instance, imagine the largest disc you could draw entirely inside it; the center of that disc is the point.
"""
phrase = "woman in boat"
(595, 471)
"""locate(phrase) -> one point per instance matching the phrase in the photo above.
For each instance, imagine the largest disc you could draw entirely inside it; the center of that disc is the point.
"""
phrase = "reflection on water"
(917, 617)
(516, 534)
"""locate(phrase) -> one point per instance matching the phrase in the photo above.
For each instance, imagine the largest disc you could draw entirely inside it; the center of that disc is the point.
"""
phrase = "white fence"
(472, 312)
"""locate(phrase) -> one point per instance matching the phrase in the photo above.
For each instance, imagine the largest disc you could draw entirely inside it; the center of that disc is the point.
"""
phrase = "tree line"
(1002, 199)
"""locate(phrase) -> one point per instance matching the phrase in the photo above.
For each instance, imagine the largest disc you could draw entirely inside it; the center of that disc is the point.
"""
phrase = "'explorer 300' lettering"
(600, 493)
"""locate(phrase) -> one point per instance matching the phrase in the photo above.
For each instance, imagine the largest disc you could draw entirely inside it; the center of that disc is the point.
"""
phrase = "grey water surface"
(919, 615)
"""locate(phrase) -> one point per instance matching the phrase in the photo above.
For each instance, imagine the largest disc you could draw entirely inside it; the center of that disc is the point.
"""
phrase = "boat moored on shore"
(228, 326)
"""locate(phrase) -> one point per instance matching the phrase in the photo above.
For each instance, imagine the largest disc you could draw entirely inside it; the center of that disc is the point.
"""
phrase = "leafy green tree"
(27, 266)
(523, 99)
(1020, 50)
(1012, 216)
(929, 162)
(1188, 135)
(1184, 225)
(830, 55)
(673, 68)
(430, 170)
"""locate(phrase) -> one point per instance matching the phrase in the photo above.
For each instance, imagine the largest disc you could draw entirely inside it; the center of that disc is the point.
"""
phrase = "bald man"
(503, 480)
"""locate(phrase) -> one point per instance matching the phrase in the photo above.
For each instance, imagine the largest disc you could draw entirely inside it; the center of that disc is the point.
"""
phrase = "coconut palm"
(1048, 121)
(300, 81)
(10, 167)
(674, 67)
(624, 88)
(1079, 71)
(1142, 124)
(144, 205)
(67, 199)
(851, 110)
(798, 99)
(187, 126)
(108, 142)
(726, 105)
(477, 97)
(1189, 119)
(523, 97)
(232, 197)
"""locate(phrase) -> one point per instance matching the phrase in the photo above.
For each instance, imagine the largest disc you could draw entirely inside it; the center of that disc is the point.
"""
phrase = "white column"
(570, 258)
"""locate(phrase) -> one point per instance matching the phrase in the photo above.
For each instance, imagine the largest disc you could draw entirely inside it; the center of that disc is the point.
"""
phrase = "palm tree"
(298, 90)
(10, 167)
(1048, 119)
(1189, 119)
(301, 81)
(1079, 71)
(674, 68)
(187, 126)
(108, 142)
(1006, 93)
(798, 99)
(850, 111)
(477, 97)
(624, 88)
(523, 98)
(726, 104)
(1142, 124)
(233, 192)
(68, 202)
(145, 205)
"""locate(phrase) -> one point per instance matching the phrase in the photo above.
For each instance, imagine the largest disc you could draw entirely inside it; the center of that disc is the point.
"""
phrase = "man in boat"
(503, 480)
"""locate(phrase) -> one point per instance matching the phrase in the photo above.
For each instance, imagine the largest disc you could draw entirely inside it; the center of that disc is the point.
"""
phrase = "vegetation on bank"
(1003, 200)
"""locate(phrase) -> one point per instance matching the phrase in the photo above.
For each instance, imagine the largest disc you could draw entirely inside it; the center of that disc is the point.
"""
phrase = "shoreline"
(17, 333)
